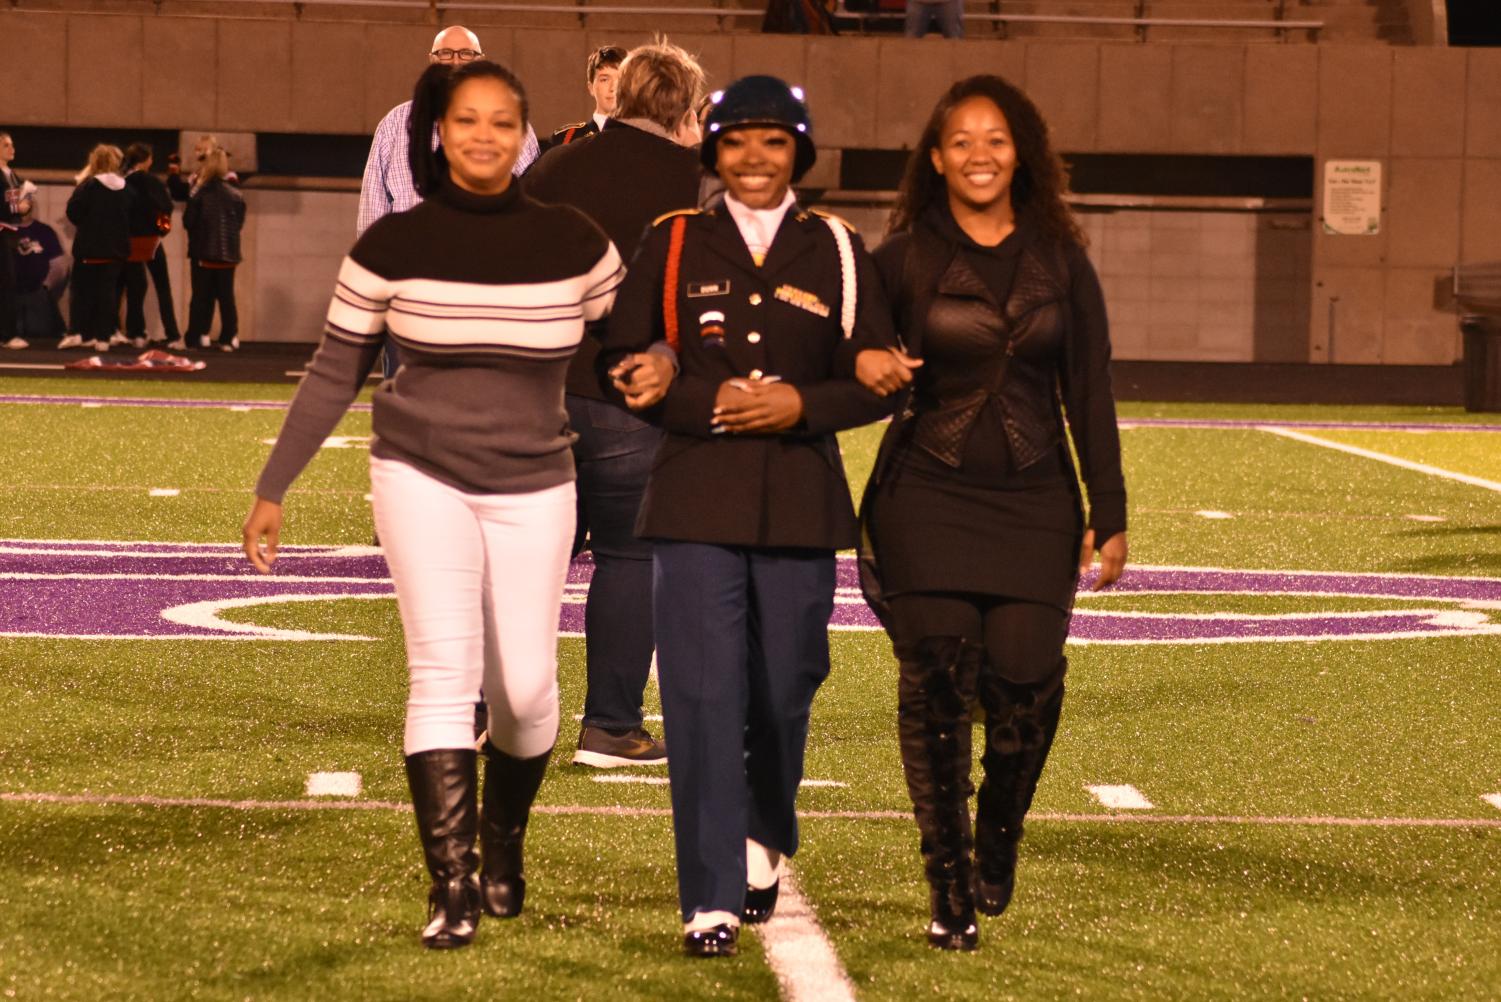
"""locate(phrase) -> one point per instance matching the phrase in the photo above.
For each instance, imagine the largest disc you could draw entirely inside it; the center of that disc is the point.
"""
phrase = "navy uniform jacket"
(572, 133)
(738, 320)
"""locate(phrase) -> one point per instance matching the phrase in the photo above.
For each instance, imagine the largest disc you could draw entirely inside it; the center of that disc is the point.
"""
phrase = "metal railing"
(1141, 22)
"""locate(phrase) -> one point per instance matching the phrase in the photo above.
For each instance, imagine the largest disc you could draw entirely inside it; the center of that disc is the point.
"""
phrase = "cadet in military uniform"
(766, 305)
(602, 73)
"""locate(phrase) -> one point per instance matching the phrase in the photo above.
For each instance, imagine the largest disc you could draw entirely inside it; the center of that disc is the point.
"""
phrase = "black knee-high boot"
(443, 794)
(1020, 721)
(933, 723)
(511, 785)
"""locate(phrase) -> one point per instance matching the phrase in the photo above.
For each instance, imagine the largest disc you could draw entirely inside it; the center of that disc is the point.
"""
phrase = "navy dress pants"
(613, 456)
(742, 647)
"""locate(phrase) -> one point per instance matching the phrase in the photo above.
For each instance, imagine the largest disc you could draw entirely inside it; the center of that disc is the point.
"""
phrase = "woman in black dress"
(974, 513)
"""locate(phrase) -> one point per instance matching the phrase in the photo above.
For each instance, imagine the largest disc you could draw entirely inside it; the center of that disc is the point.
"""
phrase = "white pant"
(479, 581)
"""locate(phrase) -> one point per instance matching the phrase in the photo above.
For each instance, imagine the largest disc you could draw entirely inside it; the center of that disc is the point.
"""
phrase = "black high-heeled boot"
(933, 723)
(511, 785)
(1020, 722)
(443, 796)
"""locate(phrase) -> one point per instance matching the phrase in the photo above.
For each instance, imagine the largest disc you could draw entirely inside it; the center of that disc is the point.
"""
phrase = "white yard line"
(1122, 797)
(799, 952)
(1313, 821)
(1381, 457)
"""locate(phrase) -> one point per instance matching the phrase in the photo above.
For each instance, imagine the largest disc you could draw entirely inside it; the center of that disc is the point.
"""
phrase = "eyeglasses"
(456, 55)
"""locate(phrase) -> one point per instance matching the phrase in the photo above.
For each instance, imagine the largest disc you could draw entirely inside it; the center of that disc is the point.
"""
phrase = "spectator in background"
(150, 220)
(602, 74)
(41, 274)
(11, 198)
(945, 15)
(644, 152)
(799, 17)
(100, 209)
(181, 187)
(214, 218)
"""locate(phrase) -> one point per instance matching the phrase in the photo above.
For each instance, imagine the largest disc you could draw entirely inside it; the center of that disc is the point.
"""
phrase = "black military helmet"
(760, 100)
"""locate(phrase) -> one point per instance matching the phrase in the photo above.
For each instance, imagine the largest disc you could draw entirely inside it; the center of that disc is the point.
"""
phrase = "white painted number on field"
(333, 784)
(336, 442)
(1494, 799)
(1120, 798)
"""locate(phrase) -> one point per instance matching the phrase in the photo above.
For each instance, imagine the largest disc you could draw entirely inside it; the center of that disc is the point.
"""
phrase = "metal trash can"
(1482, 362)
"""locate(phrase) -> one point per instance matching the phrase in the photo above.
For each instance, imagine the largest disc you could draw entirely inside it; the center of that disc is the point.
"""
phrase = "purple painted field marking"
(1246, 424)
(177, 591)
(185, 402)
(1231, 424)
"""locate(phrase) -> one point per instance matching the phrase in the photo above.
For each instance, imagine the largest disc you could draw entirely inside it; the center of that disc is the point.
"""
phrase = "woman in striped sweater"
(470, 467)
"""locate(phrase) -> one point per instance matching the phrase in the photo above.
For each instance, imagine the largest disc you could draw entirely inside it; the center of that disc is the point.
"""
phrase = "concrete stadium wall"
(1432, 116)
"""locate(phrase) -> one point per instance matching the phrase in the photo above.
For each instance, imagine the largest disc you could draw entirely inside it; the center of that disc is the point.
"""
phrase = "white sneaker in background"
(17, 342)
(118, 338)
(100, 345)
(232, 345)
(138, 342)
(178, 345)
(71, 341)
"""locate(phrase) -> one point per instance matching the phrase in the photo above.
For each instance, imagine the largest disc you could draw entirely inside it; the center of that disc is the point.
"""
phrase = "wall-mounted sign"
(1352, 197)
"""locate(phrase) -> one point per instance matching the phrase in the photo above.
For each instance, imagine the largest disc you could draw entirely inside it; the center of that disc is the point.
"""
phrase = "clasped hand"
(746, 406)
(643, 378)
(884, 371)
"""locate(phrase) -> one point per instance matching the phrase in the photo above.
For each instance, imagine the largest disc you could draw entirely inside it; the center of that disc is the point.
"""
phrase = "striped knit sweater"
(486, 299)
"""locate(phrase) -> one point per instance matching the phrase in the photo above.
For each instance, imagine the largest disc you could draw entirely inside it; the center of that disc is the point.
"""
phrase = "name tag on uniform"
(697, 290)
(802, 300)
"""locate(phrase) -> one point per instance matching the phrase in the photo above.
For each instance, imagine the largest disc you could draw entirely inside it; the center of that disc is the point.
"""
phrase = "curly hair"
(1041, 178)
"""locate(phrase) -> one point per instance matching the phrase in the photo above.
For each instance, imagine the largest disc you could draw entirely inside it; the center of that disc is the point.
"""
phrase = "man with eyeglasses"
(387, 186)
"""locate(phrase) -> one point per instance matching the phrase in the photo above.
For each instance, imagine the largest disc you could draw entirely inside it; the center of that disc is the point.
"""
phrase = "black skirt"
(983, 528)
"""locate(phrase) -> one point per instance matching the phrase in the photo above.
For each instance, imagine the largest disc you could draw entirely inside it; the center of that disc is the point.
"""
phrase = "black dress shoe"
(760, 903)
(719, 941)
(957, 938)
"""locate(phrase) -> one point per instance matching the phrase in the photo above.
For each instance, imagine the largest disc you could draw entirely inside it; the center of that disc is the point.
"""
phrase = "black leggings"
(1023, 641)
(212, 286)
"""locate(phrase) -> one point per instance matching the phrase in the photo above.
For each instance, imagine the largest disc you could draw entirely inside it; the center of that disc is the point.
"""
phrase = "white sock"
(763, 865)
(703, 921)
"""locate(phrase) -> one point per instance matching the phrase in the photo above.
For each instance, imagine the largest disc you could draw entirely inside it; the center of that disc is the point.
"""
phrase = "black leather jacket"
(214, 217)
(1049, 365)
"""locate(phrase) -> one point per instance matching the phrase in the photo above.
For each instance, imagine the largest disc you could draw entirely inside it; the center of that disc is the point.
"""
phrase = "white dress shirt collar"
(758, 227)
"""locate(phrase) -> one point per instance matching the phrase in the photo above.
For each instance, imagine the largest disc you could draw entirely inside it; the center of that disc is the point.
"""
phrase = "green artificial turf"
(103, 901)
